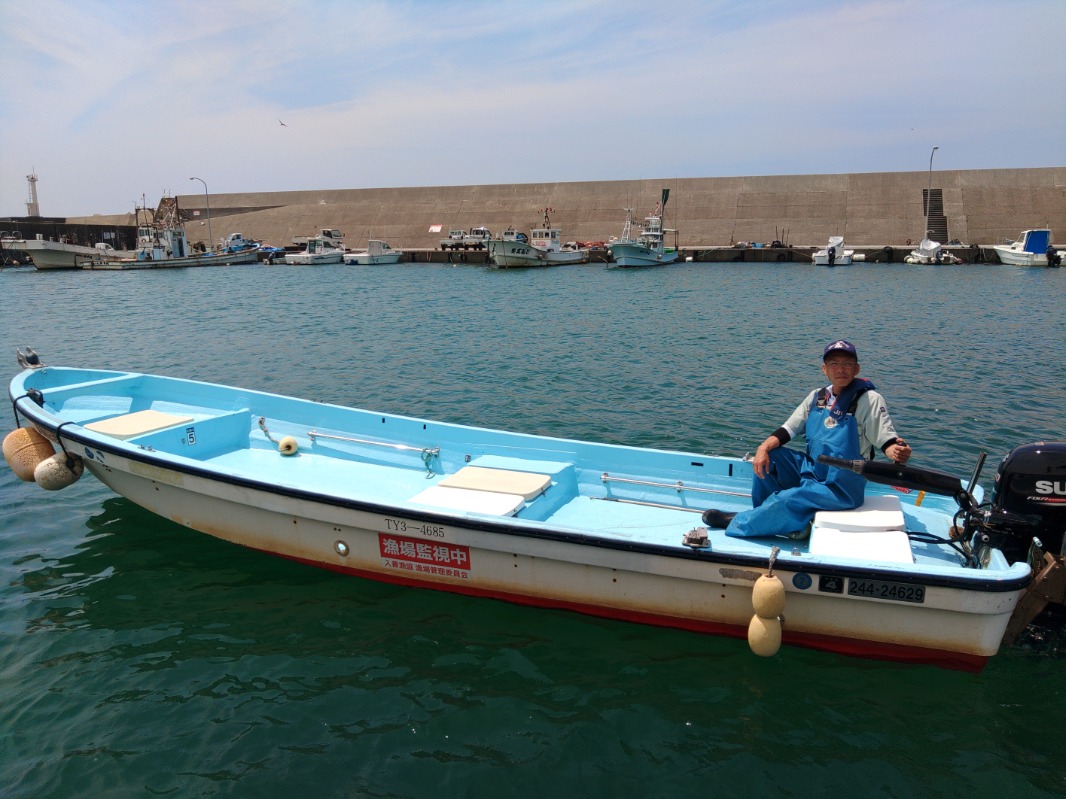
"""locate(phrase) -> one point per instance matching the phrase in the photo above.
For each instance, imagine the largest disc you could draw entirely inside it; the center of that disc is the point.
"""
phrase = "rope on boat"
(263, 427)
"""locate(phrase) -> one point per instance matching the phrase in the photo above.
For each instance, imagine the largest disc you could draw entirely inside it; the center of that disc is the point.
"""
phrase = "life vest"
(834, 431)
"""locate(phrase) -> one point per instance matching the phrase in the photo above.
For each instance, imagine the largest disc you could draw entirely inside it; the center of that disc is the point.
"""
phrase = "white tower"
(33, 208)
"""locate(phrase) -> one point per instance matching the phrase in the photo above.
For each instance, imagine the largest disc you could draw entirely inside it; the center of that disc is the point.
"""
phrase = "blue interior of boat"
(621, 493)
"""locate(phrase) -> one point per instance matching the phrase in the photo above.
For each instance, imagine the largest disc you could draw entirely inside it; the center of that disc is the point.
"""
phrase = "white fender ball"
(24, 448)
(764, 636)
(288, 446)
(768, 596)
(53, 473)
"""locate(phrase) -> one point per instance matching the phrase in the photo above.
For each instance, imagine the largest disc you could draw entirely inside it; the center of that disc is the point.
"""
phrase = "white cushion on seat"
(876, 513)
(882, 545)
(470, 500)
(479, 478)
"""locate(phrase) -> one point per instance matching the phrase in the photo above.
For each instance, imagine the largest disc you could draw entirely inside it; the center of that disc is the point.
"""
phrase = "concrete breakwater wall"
(871, 210)
(752, 255)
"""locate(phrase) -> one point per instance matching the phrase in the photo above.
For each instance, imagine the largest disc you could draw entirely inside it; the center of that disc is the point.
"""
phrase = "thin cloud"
(134, 97)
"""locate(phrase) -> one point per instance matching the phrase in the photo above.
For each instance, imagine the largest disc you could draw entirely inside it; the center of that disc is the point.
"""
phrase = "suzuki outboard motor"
(1031, 483)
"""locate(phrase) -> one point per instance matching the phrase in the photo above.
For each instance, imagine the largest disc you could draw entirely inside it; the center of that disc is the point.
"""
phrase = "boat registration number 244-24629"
(880, 589)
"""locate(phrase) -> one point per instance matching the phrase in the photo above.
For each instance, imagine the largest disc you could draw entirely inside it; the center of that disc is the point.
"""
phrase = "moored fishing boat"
(543, 248)
(162, 243)
(608, 530)
(648, 248)
(62, 254)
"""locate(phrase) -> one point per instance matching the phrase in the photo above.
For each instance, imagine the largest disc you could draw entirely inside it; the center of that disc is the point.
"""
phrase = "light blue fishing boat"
(609, 530)
(649, 247)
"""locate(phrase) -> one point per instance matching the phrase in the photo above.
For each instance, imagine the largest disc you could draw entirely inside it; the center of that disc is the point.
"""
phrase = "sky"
(108, 102)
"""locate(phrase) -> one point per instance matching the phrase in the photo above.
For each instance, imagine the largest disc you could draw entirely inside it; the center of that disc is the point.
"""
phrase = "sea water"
(140, 658)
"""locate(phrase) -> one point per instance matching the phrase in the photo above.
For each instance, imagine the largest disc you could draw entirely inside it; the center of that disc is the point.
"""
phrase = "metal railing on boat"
(679, 487)
(427, 453)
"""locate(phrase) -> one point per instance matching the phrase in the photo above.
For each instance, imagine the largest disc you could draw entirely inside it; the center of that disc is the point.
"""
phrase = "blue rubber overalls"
(796, 485)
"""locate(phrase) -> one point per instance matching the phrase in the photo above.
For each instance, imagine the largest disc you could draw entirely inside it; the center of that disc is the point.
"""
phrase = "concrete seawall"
(974, 207)
(736, 254)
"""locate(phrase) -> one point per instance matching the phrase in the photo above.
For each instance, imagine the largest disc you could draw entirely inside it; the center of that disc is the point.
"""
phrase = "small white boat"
(609, 530)
(648, 248)
(376, 252)
(834, 254)
(48, 254)
(544, 247)
(931, 252)
(318, 250)
(163, 244)
(1032, 249)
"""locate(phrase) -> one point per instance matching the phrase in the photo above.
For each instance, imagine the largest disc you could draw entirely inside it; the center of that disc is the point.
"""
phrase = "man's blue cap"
(839, 346)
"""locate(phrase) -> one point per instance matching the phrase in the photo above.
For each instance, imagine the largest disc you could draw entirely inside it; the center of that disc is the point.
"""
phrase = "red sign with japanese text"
(424, 557)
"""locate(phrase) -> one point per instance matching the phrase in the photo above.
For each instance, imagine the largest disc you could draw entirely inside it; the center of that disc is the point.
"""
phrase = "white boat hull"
(821, 258)
(946, 259)
(249, 256)
(954, 625)
(314, 259)
(366, 259)
(1012, 257)
(519, 254)
(638, 255)
(57, 255)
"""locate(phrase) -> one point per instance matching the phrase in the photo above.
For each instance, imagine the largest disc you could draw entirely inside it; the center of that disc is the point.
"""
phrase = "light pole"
(211, 238)
(929, 193)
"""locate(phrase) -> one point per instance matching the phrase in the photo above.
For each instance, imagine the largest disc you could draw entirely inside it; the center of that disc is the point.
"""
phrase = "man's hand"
(761, 462)
(900, 452)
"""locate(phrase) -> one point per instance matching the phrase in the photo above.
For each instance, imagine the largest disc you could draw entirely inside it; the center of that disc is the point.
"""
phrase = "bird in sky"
(282, 124)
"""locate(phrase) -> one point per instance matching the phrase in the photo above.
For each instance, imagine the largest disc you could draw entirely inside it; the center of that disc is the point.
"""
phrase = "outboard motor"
(1053, 257)
(832, 253)
(1029, 500)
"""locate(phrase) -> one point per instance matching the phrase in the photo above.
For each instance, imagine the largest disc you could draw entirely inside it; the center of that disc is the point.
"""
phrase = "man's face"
(841, 368)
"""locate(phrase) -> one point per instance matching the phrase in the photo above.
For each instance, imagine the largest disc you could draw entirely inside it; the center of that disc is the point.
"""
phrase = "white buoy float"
(58, 471)
(764, 636)
(768, 601)
(288, 446)
(24, 448)
(768, 596)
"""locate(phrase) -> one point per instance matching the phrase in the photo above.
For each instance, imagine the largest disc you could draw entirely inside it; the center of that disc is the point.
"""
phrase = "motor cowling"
(1030, 485)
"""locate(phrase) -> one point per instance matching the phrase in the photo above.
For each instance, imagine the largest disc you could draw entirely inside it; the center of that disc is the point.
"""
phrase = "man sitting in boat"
(846, 419)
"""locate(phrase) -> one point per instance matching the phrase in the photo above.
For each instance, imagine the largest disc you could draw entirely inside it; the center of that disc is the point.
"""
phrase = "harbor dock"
(714, 220)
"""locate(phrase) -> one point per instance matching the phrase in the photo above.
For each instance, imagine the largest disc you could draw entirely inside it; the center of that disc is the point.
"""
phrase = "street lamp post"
(929, 193)
(211, 238)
